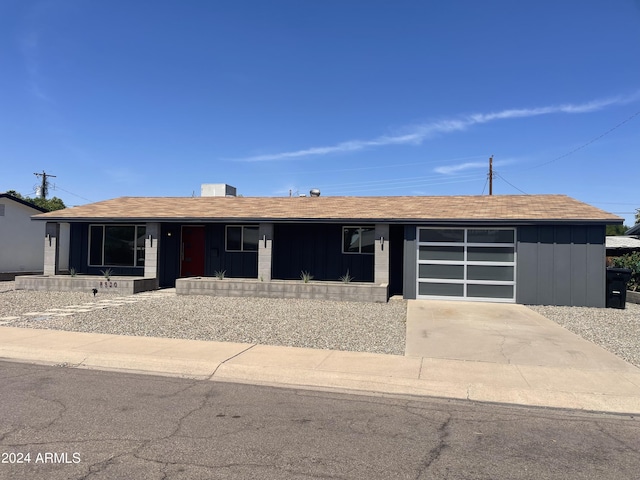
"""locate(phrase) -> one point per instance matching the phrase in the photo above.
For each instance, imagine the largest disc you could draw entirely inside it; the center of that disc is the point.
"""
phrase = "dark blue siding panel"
(316, 248)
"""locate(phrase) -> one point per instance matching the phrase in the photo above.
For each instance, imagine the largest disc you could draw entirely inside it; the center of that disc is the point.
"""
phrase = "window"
(242, 238)
(358, 239)
(116, 245)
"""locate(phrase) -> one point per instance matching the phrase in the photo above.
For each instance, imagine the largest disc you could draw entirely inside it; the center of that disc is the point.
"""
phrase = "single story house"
(529, 249)
(20, 238)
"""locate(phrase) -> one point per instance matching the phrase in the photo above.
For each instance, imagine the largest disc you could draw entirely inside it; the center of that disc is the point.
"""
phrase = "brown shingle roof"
(449, 208)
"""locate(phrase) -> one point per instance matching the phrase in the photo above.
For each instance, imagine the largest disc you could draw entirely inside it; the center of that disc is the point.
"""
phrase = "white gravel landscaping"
(351, 326)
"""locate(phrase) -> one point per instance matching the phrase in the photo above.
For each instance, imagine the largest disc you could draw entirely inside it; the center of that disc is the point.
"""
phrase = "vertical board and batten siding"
(561, 265)
(217, 258)
(317, 248)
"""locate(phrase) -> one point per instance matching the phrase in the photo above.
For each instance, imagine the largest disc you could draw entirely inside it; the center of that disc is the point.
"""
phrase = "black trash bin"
(617, 279)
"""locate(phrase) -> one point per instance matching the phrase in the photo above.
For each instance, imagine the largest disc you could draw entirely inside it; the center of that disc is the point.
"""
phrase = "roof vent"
(302, 195)
(217, 190)
(314, 192)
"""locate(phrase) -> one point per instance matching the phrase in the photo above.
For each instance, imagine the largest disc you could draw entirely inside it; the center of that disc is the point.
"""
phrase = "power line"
(56, 187)
(500, 176)
(586, 144)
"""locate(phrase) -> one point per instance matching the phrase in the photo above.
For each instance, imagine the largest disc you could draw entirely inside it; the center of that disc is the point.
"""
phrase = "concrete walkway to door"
(505, 350)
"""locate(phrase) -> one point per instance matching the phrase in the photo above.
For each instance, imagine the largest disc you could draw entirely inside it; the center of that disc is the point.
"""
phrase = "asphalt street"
(66, 423)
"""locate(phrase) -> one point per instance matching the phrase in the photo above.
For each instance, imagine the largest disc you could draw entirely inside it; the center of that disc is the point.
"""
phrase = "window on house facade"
(116, 245)
(241, 238)
(358, 239)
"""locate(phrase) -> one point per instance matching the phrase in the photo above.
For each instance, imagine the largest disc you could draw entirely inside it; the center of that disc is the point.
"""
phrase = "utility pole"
(44, 188)
(491, 175)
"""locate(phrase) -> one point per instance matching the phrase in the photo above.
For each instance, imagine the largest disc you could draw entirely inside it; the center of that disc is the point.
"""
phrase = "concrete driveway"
(499, 333)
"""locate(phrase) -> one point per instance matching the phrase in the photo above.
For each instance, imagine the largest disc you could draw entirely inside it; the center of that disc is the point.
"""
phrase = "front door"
(192, 252)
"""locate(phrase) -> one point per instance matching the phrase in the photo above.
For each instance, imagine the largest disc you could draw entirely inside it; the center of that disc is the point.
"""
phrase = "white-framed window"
(357, 239)
(241, 238)
(476, 263)
(116, 245)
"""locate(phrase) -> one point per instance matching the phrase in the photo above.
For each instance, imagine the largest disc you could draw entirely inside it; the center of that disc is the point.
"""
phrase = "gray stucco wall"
(561, 265)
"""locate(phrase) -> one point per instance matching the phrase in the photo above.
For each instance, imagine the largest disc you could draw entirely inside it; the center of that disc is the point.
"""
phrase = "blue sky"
(369, 97)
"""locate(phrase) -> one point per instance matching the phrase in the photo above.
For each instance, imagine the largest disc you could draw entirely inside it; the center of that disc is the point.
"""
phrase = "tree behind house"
(49, 204)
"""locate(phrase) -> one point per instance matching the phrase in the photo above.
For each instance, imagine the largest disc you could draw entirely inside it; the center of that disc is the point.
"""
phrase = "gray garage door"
(467, 263)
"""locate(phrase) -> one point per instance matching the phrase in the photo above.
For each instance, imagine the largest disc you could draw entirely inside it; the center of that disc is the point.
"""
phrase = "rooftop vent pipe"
(314, 192)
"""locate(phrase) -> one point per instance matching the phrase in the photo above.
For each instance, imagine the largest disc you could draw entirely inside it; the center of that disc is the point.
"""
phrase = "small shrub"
(346, 278)
(306, 276)
(220, 274)
(72, 272)
(632, 262)
(107, 273)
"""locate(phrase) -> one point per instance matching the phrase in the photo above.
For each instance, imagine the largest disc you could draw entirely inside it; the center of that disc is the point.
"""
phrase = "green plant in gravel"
(107, 273)
(220, 274)
(632, 262)
(346, 278)
(72, 272)
(305, 276)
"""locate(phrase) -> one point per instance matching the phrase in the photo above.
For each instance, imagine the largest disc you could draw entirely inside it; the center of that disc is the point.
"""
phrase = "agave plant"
(346, 278)
(107, 273)
(306, 276)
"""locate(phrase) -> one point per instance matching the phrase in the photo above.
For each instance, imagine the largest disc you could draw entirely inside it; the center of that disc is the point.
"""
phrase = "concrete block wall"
(67, 283)
(633, 297)
(229, 287)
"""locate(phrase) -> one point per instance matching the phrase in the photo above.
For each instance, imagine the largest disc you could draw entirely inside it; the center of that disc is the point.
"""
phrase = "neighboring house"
(530, 249)
(618, 245)
(21, 240)
(633, 231)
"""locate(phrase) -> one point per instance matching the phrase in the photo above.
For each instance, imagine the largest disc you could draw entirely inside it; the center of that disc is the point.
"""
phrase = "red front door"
(192, 252)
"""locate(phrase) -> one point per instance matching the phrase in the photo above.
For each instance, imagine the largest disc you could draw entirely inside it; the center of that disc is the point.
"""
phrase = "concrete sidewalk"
(593, 380)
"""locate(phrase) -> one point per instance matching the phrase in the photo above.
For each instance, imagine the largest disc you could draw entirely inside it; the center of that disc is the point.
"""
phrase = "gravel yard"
(352, 326)
(615, 330)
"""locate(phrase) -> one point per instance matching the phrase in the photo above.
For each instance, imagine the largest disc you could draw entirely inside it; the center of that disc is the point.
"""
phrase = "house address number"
(108, 284)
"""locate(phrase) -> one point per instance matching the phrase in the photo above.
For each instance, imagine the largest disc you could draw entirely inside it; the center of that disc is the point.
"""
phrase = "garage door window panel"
(439, 252)
(490, 291)
(490, 254)
(452, 272)
(490, 272)
(441, 289)
(490, 236)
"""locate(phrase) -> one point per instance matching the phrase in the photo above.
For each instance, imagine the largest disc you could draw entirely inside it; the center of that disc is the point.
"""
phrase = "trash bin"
(617, 279)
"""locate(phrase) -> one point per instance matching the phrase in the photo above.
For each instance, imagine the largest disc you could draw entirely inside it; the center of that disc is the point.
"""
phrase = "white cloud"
(452, 169)
(462, 166)
(417, 134)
